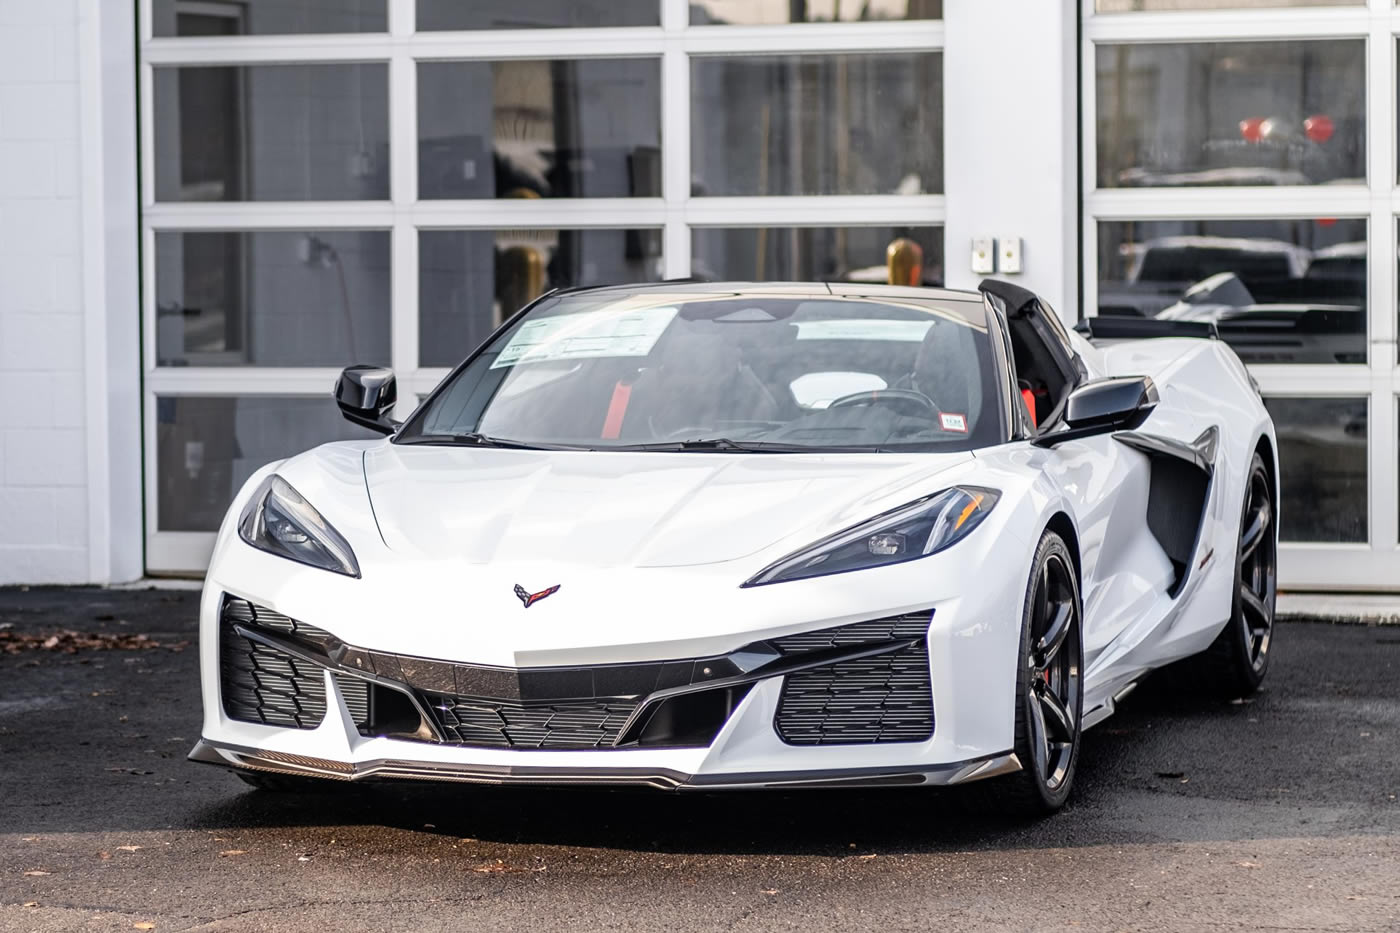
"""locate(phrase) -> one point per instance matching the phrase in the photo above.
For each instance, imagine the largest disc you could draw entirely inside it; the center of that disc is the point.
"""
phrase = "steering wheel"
(905, 401)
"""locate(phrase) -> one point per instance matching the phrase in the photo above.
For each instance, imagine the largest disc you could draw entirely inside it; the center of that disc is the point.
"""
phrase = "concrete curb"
(1339, 608)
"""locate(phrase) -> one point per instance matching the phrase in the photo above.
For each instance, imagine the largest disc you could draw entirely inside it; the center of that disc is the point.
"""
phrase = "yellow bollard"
(905, 261)
(520, 278)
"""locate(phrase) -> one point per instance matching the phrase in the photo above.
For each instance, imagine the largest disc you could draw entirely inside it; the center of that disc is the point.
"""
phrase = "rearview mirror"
(366, 396)
(1105, 405)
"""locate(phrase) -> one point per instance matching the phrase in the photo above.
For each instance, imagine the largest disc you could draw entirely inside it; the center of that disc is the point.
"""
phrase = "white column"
(1011, 140)
(112, 357)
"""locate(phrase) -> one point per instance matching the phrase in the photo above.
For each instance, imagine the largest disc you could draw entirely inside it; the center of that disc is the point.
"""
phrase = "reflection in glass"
(530, 14)
(769, 12)
(470, 281)
(272, 133)
(1128, 6)
(540, 129)
(1280, 291)
(1322, 466)
(206, 448)
(266, 17)
(846, 254)
(1232, 113)
(272, 298)
(817, 124)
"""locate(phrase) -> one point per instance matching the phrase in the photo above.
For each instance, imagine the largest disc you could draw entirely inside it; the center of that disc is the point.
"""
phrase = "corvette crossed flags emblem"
(529, 599)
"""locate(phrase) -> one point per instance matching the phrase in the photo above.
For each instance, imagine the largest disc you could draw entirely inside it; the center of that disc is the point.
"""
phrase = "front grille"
(262, 685)
(592, 723)
(883, 698)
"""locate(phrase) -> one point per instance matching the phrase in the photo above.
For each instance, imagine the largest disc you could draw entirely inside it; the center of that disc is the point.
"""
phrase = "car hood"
(617, 509)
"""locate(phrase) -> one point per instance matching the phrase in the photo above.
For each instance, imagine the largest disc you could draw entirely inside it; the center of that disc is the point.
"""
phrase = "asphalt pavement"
(1277, 813)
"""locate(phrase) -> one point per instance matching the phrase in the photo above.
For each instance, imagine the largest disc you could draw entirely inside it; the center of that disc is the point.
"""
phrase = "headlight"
(906, 533)
(278, 520)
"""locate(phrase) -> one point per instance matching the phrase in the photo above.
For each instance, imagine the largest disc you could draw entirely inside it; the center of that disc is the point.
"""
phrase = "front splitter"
(238, 758)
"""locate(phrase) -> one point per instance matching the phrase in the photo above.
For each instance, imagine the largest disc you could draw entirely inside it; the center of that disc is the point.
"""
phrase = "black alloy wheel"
(1049, 685)
(1239, 658)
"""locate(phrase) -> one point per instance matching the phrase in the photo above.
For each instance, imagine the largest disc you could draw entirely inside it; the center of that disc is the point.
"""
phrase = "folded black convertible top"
(1113, 327)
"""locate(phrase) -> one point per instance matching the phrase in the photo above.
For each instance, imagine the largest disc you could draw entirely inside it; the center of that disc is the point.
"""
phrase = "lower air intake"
(883, 698)
(262, 685)
(494, 723)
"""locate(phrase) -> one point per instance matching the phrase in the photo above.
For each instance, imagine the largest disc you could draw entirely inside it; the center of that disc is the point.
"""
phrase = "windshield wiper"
(473, 439)
(727, 445)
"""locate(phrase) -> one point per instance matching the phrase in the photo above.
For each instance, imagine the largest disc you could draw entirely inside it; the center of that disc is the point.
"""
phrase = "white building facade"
(208, 207)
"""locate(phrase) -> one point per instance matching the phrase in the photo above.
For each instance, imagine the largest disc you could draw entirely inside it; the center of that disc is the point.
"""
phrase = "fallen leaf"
(36, 873)
(31, 838)
(143, 925)
(228, 852)
(1247, 864)
(104, 855)
(127, 848)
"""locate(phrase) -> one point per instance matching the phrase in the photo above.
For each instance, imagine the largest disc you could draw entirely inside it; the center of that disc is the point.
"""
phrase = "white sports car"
(710, 536)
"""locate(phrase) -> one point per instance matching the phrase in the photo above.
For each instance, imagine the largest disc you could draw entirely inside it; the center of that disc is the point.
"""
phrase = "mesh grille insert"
(494, 723)
(884, 698)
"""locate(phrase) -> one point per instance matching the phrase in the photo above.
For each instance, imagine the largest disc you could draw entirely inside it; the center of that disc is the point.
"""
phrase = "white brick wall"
(44, 520)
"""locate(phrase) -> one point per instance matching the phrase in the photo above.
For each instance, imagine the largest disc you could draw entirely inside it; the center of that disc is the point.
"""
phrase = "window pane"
(272, 299)
(1124, 6)
(586, 128)
(1322, 466)
(1281, 291)
(266, 17)
(527, 14)
(817, 124)
(469, 281)
(272, 133)
(763, 12)
(208, 447)
(847, 254)
(1232, 113)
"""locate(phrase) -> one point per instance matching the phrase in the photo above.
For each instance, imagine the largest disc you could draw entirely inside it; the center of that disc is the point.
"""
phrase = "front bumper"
(622, 616)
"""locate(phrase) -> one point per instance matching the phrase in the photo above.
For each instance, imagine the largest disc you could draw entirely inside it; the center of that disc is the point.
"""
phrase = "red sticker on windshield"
(952, 422)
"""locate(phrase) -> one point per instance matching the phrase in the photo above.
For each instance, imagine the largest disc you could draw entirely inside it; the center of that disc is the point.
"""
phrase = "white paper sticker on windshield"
(589, 335)
(868, 329)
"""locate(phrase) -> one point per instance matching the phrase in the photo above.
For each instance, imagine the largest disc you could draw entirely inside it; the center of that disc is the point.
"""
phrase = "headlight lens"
(907, 533)
(278, 520)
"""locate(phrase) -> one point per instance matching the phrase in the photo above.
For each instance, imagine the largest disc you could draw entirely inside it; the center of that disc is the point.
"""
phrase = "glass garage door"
(1240, 167)
(382, 181)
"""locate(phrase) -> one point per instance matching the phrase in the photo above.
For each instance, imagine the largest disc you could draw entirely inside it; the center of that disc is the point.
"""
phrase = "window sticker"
(905, 331)
(590, 335)
(952, 422)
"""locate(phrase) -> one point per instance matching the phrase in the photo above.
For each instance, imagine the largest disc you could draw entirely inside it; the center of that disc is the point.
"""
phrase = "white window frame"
(1302, 566)
(675, 213)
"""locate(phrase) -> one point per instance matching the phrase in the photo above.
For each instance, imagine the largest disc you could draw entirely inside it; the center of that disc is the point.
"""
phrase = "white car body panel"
(650, 550)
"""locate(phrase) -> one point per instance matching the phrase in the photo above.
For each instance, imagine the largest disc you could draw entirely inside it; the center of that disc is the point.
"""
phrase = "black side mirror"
(366, 396)
(1118, 403)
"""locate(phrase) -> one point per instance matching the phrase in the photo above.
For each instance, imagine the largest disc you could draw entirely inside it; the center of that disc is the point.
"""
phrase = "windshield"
(680, 370)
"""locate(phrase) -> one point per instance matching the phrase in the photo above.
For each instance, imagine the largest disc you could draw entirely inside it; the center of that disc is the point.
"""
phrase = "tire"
(1235, 664)
(1049, 687)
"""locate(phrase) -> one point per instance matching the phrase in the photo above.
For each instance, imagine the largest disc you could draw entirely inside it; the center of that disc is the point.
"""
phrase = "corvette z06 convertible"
(713, 536)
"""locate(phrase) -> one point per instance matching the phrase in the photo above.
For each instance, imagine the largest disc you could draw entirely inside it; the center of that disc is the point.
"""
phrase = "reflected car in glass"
(737, 535)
